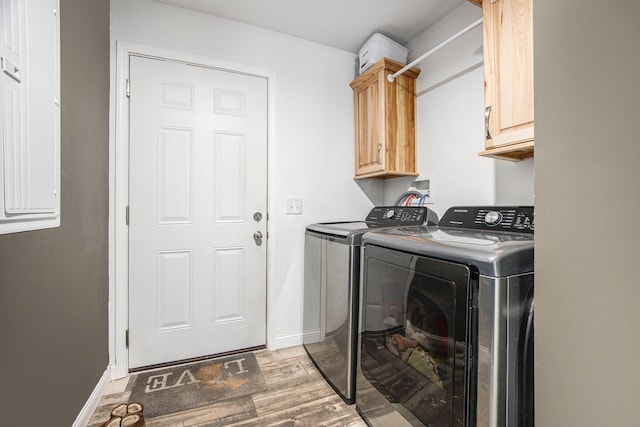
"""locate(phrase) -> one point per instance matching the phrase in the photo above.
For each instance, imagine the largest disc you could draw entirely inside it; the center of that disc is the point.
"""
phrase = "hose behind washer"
(403, 197)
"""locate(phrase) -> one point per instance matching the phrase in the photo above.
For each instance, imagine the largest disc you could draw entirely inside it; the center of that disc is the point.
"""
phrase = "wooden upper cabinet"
(508, 78)
(385, 116)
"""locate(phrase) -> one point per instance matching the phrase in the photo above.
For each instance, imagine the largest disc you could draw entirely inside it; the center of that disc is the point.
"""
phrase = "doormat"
(179, 388)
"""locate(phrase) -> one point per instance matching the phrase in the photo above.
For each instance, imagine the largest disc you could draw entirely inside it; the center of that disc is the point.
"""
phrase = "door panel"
(197, 277)
(509, 71)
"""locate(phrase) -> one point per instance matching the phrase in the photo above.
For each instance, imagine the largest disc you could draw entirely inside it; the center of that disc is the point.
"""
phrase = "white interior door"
(197, 187)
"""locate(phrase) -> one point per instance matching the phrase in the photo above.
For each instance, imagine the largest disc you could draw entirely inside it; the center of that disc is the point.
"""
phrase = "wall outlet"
(294, 205)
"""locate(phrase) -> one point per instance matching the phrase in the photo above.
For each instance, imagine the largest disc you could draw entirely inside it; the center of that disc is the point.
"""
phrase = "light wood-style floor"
(296, 395)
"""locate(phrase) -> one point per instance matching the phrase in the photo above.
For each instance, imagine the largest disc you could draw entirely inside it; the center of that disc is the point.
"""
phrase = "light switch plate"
(294, 205)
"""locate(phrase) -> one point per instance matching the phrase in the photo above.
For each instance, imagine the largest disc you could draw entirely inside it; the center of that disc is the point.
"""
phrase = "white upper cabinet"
(29, 115)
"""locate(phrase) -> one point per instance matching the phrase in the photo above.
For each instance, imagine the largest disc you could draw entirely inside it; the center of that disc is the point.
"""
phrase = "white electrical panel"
(29, 116)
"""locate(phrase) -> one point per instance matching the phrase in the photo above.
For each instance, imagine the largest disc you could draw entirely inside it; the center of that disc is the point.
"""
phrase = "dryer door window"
(413, 348)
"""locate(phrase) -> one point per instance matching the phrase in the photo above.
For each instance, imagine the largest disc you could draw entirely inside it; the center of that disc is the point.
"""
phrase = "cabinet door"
(29, 115)
(370, 127)
(508, 52)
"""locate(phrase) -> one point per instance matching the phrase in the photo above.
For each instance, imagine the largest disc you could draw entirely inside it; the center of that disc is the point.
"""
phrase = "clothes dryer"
(447, 321)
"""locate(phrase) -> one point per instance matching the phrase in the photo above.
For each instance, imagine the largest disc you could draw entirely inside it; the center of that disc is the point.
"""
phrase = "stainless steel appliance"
(447, 321)
(331, 289)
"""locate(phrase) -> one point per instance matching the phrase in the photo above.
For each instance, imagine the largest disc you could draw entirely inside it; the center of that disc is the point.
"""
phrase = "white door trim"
(119, 189)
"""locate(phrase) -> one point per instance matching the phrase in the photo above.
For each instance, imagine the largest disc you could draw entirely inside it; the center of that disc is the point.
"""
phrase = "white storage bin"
(378, 47)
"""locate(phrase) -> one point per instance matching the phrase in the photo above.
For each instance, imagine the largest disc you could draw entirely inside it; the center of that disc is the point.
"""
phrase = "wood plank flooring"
(296, 395)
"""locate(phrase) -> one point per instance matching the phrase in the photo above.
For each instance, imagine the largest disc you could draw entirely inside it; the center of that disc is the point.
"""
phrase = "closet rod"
(392, 77)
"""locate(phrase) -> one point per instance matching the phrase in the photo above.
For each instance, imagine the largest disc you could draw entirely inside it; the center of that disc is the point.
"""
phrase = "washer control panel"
(517, 219)
(390, 216)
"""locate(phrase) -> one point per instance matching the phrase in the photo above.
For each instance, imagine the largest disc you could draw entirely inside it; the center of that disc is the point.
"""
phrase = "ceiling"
(343, 24)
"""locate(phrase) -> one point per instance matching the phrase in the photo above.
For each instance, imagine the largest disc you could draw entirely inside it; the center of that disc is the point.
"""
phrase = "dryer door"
(414, 340)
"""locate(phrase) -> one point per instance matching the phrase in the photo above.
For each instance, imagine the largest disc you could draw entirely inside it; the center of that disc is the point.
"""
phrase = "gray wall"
(53, 283)
(587, 98)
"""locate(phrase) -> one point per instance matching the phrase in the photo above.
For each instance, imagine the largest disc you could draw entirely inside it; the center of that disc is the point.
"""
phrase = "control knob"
(493, 218)
(389, 214)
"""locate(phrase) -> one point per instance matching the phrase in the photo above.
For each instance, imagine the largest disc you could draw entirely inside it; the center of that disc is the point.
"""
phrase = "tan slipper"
(126, 415)
(132, 421)
(119, 411)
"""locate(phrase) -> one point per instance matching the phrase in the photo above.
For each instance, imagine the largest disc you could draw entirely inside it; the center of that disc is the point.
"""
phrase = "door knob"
(257, 236)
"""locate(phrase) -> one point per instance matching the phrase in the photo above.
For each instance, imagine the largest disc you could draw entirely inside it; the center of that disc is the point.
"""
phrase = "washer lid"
(379, 216)
(492, 254)
(342, 229)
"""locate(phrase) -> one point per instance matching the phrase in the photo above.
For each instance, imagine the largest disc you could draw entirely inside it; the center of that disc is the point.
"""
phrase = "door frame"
(119, 188)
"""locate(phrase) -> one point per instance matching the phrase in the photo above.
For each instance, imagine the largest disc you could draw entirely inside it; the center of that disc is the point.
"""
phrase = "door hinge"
(128, 90)
(126, 215)
(126, 338)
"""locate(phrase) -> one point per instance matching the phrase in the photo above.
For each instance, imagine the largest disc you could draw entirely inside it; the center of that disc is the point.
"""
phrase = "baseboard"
(284, 341)
(312, 336)
(92, 403)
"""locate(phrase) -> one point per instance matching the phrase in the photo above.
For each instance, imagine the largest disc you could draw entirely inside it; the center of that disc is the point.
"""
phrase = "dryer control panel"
(515, 219)
(391, 216)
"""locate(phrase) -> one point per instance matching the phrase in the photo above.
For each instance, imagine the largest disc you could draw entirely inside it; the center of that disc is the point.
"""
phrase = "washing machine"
(447, 321)
(331, 289)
